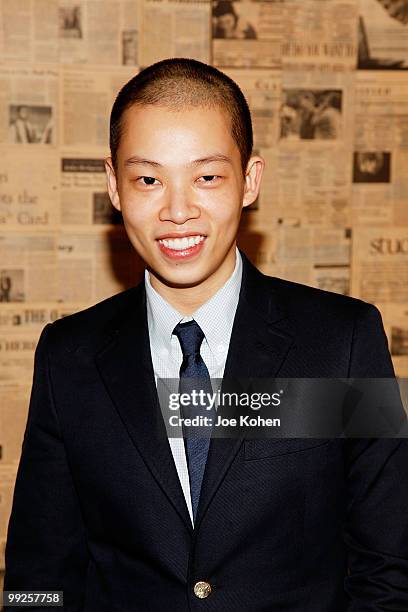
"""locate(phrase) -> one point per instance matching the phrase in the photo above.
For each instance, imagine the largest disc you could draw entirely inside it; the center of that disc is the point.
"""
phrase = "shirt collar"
(215, 317)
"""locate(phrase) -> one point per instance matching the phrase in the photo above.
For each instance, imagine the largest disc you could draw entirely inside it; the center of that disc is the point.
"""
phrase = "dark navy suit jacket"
(294, 525)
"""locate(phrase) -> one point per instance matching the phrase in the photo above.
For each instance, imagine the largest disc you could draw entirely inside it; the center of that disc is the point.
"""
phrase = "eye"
(208, 178)
(147, 180)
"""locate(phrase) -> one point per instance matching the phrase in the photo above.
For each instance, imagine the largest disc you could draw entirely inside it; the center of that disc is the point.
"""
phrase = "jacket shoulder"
(318, 305)
(335, 334)
(90, 325)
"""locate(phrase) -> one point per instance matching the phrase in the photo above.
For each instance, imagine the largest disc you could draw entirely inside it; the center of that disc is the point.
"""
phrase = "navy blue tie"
(194, 376)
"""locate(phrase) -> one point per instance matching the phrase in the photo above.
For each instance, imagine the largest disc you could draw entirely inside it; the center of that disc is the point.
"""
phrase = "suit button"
(202, 589)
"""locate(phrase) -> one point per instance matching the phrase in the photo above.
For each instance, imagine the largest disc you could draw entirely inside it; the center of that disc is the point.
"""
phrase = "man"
(307, 103)
(121, 518)
(21, 129)
(327, 117)
(5, 286)
(227, 23)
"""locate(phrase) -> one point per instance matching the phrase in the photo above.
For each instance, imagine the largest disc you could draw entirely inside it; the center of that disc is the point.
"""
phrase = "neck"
(186, 300)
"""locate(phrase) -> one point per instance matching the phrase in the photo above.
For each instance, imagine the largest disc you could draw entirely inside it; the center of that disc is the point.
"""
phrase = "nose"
(179, 205)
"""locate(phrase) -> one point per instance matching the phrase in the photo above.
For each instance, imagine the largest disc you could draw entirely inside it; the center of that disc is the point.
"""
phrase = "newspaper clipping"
(380, 156)
(320, 35)
(174, 28)
(29, 189)
(84, 198)
(88, 95)
(28, 105)
(383, 35)
(247, 34)
(380, 264)
(70, 31)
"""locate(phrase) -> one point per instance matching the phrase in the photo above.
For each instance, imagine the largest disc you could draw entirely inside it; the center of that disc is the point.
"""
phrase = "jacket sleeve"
(46, 542)
(376, 529)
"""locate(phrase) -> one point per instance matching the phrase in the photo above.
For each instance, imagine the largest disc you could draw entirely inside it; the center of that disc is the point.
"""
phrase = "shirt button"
(202, 589)
(221, 348)
(164, 352)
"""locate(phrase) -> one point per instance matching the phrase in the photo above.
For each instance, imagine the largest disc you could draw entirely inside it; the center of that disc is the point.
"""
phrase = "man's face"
(23, 112)
(306, 102)
(227, 24)
(370, 163)
(180, 187)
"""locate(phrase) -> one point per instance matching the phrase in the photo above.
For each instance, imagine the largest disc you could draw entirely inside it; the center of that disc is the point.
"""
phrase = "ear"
(253, 178)
(111, 183)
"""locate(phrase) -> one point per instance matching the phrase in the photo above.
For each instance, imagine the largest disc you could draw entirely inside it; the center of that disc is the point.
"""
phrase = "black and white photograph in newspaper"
(311, 114)
(12, 285)
(383, 35)
(30, 124)
(372, 167)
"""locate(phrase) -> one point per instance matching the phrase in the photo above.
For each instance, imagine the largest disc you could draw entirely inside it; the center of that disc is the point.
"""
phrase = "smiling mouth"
(181, 248)
(181, 244)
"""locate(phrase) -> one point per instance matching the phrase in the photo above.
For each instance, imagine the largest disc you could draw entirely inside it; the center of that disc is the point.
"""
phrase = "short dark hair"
(181, 83)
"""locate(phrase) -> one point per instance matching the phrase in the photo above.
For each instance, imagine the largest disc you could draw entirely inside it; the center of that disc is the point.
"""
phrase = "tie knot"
(190, 336)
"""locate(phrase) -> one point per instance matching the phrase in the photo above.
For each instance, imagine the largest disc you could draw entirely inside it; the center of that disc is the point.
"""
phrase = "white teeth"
(180, 244)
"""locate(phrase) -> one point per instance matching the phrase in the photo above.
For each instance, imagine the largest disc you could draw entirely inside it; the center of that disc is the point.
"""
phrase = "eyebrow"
(196, 162)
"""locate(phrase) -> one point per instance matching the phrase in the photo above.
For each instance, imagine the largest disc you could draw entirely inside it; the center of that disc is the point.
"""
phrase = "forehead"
(182, 131)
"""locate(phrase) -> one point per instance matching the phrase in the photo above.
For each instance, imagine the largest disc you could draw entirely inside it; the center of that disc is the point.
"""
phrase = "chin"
(181, 280)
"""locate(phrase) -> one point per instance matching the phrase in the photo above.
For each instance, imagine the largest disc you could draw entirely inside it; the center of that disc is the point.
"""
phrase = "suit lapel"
(260, 341)
(261, 338)
(125, 366)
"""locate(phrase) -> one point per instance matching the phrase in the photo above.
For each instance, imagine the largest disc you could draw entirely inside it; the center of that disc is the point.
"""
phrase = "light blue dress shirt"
(215, 318)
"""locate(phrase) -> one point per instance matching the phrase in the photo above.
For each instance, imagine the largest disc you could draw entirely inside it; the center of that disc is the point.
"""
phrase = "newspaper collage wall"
(327, 82)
